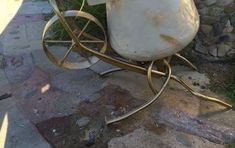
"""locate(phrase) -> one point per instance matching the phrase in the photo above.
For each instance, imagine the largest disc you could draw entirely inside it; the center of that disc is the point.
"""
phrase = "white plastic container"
(146, 30)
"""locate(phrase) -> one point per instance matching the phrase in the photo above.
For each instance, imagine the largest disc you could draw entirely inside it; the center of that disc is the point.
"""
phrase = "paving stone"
(23, 38)
(224, 2)
(194, 79)
(40, 101)
(42, 61)
(213, 51)
(34, 30)
(10, 34)
(206, 28)
(200, 48)
(30, 93)
(35, 7)
(142, 138)
(83, 83)
(19, 68)
(135, 83)
(101, 67)
(210, 2)
(83, 121)
(3, 78)
(223, 49)
(20, 133)
(183, 139)
(182, 121)
(226, 118)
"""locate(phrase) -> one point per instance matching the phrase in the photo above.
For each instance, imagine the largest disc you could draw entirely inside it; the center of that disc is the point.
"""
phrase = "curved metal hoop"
(135, 68)
(152, 100)
(61, 17)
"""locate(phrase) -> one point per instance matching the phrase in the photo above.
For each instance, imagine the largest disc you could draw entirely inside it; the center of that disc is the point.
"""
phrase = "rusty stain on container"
(170, 40)
(155, 17)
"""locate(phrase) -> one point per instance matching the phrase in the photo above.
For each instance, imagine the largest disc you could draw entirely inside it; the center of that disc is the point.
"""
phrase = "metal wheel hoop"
(75, 65)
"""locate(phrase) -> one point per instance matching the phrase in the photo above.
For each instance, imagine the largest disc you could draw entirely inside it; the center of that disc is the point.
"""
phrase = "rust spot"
(170, 39)
(155, 17)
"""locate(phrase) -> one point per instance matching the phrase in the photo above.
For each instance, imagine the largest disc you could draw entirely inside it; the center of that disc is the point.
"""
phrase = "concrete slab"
(194, 79)
(22, 39)
(142, 138)
(101, 67)
(35, 7)
(34, 30)
(39, 100)
(19, 68)
(83, 83)
(135, 83)
(41, 60)
(3, 78)
(17, 131)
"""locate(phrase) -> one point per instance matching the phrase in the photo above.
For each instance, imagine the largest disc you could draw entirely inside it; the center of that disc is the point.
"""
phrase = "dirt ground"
(113, 101)
(64, 131)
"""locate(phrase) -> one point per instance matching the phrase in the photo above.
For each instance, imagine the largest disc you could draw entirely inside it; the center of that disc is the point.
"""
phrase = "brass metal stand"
(90, 55)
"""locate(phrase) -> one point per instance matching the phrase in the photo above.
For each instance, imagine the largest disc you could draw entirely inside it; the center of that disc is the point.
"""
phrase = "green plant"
(226, 85)
(231, 145)
(58, 32)
(231, 91)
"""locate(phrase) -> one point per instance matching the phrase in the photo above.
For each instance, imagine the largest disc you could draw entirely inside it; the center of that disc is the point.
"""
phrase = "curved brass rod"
(82, 41)
(66, 55)
(82, 5)
(102, 74)
(147, 103)
(142, 70)
(126, 65)
(149, 76)
(206, 98)
(57, 41)
(186, 61)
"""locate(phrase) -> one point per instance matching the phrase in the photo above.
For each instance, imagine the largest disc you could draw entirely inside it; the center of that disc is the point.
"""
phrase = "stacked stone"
(216, 37)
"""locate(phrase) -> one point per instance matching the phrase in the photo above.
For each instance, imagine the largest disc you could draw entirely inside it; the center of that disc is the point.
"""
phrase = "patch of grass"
(225, 87)
(231, 145)
(99, 11)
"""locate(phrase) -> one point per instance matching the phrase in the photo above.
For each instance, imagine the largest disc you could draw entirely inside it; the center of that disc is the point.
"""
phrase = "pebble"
(83, 121)
(223, 49)
(217, 18)
(35, 111)
(210, 2)
(54, 130)
(228, 28)
(213, 51)
(17, 61)
(91, 139)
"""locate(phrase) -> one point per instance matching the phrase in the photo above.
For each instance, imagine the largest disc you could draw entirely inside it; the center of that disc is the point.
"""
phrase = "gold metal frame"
(123, 64)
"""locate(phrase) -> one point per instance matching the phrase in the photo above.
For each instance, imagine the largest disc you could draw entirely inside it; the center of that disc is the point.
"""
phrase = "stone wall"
(216, 37)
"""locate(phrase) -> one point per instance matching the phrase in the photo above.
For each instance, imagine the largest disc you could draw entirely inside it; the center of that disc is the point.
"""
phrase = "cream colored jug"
(146, 30)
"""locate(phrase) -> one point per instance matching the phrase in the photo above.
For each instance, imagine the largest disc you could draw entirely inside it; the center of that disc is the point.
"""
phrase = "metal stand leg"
(157, 94)
(61, 17)
(186, 61)
(201, 96)
(102, 74)
(152, 100)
